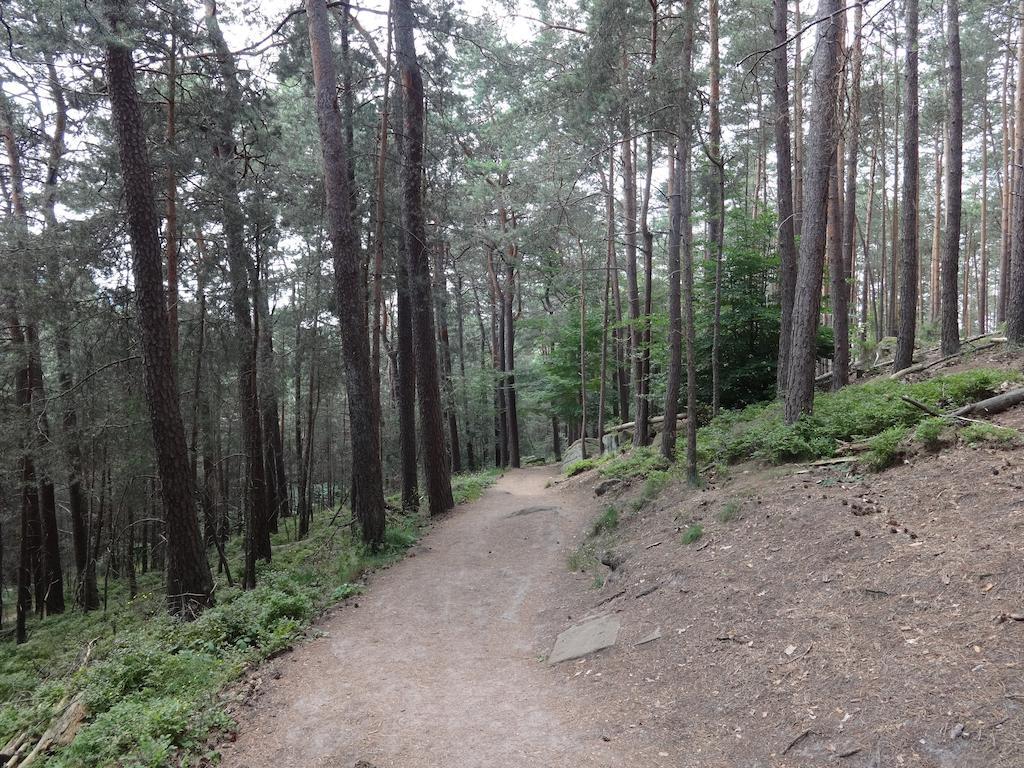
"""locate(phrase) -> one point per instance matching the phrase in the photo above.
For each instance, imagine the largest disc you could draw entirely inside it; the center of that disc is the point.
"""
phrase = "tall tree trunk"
(367, 476)
(189, 584)
(511, 399)
(1015, 295)
(680, 242)
(819, 164)
(983, 274)
(909, 257)
(1006, 207)
(716, 200)
(784, 181)
(171, 190)
(935, 289)
(841, 367)
(257, 540)
(798, 137)
(435, 468)
(445, 349)
(951, 252)
(632, 288)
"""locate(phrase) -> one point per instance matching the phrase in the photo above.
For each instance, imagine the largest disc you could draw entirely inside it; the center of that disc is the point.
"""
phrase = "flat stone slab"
(650, 637)
(586, 638)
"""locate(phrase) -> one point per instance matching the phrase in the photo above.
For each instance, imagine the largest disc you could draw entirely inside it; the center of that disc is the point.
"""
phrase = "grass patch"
(579, 467)
(886, 448)
(929, 432)
(852, 414)
(608, 521)
(973, 434)
(655, 483)
(729, 512)
(470, 486)
(151, 681)
(582, 558)
(639, 462)
(693, 533)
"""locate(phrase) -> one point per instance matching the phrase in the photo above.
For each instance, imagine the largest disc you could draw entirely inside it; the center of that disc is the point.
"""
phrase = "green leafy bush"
(693, 533)
(852, 414)
(886, 448)
(608, 521)
(639, 462)
(989, 433)
(579, 467)
(469, 486)
(929, 432)
(151, 683)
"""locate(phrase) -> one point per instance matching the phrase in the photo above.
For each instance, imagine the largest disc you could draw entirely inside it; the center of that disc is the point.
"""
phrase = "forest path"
(440, 665)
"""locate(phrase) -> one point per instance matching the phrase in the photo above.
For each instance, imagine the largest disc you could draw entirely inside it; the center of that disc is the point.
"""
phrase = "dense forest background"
(263, 262)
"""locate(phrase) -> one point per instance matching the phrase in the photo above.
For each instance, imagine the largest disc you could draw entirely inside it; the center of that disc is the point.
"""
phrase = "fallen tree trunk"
(996, 404)
(924, 366)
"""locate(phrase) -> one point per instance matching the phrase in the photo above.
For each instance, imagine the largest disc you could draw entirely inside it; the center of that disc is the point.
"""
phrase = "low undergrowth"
(871, 411)
(469, 486)
(151, 682)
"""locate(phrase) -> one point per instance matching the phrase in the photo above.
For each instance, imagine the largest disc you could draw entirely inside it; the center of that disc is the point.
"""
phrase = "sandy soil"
(441, 663)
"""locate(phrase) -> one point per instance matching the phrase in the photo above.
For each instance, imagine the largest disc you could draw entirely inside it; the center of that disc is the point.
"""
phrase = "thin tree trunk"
(784, 181)
(941, 149)
(680, 242)
(909, 261)
(951, 253)
(716, 201)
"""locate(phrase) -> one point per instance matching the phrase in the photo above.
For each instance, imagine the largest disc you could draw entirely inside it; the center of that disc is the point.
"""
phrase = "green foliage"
(729, 512)
(929, 432)
(469, 486)
(655, 483)
(582, 559)
(885, 448)
(151, 683)
(639, 462)
(608, 521)
(692, 533)
(854, 413)
(989, 433)
(579, 467)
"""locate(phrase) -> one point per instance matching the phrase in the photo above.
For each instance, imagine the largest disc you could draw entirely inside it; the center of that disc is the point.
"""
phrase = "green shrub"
(729, 512)
(693, 533)
(152, 681)
(655, 483)
(886, 448)
(929, 432)
(639, 462)
(608, 521)
(989, 433)
(852, 414)
(579, 467)
(469, 486)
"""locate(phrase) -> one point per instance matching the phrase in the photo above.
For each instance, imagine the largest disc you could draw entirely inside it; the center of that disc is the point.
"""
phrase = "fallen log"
(996, 404)
(925, 365)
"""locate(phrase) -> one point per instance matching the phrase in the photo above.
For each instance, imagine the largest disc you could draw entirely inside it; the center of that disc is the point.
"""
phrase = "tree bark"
(257, 540)
(784, 181)
(189, 584)
(909, 261)
(819, 164)
(435, 468)
(951, 252)
(680, 240)
(367, 480)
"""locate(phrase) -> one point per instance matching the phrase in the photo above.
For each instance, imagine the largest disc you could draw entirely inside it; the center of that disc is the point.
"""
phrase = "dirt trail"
(440, 663)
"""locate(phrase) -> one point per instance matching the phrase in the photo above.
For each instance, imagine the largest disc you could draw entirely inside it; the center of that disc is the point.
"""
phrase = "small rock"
(957, 732)
(606, 485)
